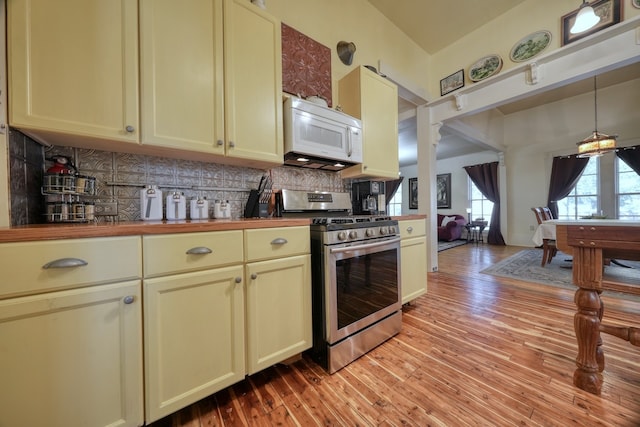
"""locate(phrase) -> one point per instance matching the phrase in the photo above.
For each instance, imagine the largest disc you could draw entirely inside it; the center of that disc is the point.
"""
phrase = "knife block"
(252, 208)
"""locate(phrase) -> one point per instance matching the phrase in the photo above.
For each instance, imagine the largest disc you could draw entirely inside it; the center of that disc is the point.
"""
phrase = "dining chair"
(549, 249)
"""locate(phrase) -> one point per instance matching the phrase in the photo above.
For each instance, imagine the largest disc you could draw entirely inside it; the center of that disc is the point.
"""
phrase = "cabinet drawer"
(32, 267)
(412, 228)
(281, 242)
(177, 253)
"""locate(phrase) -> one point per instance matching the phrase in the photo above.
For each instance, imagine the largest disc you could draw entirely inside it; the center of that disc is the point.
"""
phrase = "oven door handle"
(365, 246)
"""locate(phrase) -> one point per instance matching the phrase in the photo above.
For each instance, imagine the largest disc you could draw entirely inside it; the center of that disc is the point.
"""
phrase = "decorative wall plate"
(485, 67)
(530, 46)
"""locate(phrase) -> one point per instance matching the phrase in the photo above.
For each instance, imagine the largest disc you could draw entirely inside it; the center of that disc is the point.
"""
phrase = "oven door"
(363, 285)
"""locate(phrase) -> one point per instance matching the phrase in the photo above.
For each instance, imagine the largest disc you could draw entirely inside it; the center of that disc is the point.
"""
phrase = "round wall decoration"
(530, 46)
(485, 67)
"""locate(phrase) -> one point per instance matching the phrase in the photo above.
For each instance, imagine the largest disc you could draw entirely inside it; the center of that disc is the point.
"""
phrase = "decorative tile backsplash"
(121, 176)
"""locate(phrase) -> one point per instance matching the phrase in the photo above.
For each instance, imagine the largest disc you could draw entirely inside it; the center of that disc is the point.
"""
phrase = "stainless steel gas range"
(355, 262)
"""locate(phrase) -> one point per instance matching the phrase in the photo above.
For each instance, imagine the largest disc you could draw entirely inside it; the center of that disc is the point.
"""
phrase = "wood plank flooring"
(477, 350)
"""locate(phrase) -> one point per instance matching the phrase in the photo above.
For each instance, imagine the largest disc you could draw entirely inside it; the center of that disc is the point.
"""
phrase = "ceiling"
(422, 21)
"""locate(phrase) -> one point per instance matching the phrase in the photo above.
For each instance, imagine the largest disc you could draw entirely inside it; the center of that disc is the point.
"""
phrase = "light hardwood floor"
(476, 350)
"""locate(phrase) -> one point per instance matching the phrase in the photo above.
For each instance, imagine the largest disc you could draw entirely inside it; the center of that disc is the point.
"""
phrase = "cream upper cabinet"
(413, 250)
(278, 295)
(253, 83)
(374, 100)
(73, 68)
(182, 89)
(209, 90)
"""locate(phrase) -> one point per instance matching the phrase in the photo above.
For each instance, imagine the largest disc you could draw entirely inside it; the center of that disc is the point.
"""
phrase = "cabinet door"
(181, 69)
(72, 358)
(73, 67)
(278, 310)
(374, 100)
(413, 268)
(253, 83)
(193, 337)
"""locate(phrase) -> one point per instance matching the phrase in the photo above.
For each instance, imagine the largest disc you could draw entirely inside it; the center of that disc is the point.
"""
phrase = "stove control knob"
(342, 235)
(392, 230)
(383, 230)
(353, 234)
(370, 232)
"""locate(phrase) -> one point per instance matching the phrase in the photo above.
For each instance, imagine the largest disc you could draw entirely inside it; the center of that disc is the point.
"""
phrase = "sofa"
(452, 228)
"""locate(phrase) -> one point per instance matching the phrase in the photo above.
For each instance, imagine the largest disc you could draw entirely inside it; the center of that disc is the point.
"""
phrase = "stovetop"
(352, 219)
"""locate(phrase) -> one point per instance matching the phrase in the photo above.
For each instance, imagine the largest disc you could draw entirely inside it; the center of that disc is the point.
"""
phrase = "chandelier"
(597, 143)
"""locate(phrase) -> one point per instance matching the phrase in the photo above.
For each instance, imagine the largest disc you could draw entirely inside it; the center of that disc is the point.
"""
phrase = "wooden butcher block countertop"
(36, 232)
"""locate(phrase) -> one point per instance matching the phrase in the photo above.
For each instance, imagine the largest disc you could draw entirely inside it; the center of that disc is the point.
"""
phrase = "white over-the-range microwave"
(318, 137)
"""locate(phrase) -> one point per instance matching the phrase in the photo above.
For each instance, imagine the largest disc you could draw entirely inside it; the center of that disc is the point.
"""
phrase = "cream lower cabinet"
(71, 345)
(374, 100)
(278, 294)
(193, 318)
(413, 255)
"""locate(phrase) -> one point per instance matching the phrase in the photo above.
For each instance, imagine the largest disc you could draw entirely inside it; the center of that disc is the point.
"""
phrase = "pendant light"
(597, 143)
(585, 19)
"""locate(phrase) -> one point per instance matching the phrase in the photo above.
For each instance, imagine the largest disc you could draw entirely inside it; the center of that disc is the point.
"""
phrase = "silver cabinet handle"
(232, 144)
(128, 299)
(254, 276)
(238, 279)
(219, 142)
(409, 229)
(279, 241)
(65, 263)
(199, 250)
(130, 129)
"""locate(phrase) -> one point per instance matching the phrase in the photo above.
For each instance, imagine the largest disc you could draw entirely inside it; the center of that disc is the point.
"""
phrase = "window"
(584, 198)
(481, 207)
(395, 204)
(627, 192)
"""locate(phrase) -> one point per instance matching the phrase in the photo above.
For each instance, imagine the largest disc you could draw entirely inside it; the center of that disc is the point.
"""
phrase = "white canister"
(151, 203)
(176, 206)
(199, 208)
(221, 209)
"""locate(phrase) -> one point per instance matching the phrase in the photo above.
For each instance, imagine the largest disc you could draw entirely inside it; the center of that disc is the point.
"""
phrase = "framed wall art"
(609, 12)
(453, 82)
(443, 191)
(413, 193)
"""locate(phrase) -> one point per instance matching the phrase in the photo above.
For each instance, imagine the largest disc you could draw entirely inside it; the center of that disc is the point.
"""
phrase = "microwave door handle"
(349, 143)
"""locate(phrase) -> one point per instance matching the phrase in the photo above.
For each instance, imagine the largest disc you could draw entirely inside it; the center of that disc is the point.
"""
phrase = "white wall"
(459, 179)
(533, 137)
(408, 172)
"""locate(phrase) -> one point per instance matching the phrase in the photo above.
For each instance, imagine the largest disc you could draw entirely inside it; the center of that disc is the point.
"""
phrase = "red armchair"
(452, 230)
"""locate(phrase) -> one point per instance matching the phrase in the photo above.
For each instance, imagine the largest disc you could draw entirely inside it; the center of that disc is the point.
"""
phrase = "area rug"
(442, 246)
(525, 265)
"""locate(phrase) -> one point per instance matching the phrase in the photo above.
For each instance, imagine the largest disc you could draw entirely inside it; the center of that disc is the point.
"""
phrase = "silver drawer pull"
(65, 263)
(279, 241)
(199, 250)
(409, 229)
(128, 299)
